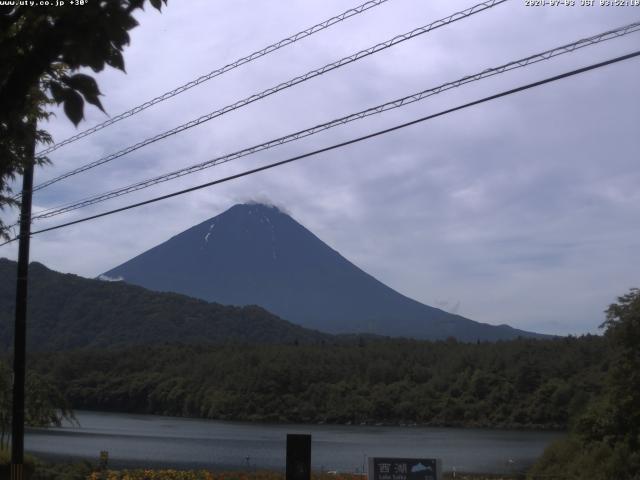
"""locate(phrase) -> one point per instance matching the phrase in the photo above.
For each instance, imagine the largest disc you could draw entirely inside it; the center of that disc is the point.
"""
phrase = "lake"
(149, 440)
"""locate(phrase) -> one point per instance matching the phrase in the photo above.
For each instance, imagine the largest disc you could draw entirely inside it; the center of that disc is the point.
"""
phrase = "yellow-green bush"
(5, 465)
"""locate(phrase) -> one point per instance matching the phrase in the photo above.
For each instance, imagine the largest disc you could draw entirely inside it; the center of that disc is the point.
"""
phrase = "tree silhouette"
(41, 50)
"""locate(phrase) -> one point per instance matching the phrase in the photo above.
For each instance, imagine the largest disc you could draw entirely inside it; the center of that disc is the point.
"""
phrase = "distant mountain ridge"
(67, 312)
(256, 254)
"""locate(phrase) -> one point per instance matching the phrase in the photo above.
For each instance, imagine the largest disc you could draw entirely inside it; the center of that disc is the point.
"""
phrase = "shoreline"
(151, 441)
(267, 422)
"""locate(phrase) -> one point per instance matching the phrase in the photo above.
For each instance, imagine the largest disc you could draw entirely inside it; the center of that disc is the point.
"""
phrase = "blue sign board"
(404, 468)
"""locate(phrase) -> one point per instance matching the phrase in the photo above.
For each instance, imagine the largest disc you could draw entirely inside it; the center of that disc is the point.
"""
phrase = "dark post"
(20, 335)
(298, 457)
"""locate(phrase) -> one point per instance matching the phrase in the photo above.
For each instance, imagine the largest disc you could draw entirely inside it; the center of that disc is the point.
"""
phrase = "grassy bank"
(36, 469)
(207, 475)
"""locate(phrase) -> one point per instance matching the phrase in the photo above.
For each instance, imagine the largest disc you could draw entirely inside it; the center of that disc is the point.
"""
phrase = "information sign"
(404, 469)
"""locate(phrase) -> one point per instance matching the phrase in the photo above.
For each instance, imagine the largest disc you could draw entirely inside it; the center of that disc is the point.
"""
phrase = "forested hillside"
(67, 311)
(522, 383)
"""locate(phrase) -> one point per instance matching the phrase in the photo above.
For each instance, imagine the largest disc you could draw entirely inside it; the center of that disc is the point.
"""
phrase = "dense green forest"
(522, 383)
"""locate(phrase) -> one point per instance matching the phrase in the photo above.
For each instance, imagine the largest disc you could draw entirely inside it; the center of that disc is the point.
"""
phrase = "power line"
(282, 86)
(532, 59)
(219, 71)
(344, 144)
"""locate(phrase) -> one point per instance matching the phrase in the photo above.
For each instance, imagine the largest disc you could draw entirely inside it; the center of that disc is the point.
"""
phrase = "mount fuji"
(254, 254)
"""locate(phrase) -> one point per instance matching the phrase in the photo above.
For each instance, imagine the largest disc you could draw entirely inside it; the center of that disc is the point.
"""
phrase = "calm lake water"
(148, 440)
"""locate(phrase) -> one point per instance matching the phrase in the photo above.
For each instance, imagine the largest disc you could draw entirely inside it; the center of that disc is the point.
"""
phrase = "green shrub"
(5, 465)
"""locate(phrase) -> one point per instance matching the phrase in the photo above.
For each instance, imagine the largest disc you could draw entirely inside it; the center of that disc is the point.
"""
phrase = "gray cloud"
(521, 211)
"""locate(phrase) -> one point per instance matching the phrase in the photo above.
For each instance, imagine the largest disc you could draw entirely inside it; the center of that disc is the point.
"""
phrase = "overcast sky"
(522, 211)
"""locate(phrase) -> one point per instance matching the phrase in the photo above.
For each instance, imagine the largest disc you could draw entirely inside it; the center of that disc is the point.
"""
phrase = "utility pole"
(20, 334)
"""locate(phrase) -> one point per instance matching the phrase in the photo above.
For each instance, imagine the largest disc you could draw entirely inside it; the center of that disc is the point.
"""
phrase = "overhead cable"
(523, 62)
(342, 144)
(217, 72)
(282, 86)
